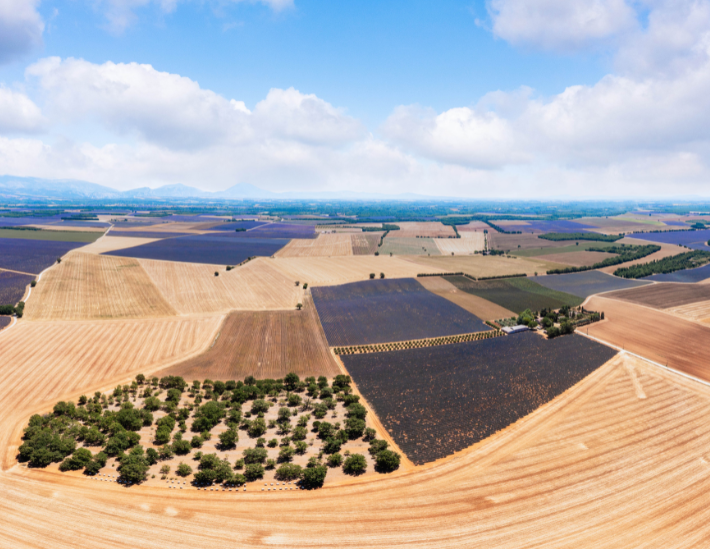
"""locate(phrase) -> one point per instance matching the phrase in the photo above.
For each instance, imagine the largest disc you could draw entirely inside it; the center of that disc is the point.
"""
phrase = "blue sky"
(499, 98)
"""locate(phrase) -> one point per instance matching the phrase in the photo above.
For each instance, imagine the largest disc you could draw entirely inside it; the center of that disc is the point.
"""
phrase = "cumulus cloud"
(21, 28)
(560, 24)
(18, 113)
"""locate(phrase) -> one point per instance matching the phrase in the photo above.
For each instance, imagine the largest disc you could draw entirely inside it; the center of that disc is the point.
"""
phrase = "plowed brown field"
(193, 288)
(432, 229)
(618, 461)
(658, 336)
(265, 345)
(576, 259)
(326, 245)
(87, 286)
(664, 295)
(478, 306)
(327, 271)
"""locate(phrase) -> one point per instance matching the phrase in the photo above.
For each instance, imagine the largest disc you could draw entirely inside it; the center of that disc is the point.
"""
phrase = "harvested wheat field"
(475, 305)
(474, 226)
(326, 245)
(483, 265)
(426, 229)
(594, 467)
(699, 312)
(655, 335)
(193, 287)
(365, 243)
(329, 271)
(666, 250)
(264, 345)
(469, 243)
(87, 286)
(108, 243)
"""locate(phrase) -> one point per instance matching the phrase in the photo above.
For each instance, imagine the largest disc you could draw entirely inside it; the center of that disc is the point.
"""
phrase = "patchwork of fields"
(482, 308)
(587, 283)
(439, 400)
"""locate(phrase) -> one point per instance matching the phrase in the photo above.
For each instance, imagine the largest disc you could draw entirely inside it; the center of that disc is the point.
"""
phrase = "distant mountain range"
(24, 188)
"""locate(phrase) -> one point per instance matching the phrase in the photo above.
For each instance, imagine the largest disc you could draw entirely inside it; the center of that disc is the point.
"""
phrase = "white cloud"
(18, 114)
(560, 24)
(122, 13)
(21, 28)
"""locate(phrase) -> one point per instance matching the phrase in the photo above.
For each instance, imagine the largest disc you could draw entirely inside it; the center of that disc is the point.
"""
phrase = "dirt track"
(598, 467)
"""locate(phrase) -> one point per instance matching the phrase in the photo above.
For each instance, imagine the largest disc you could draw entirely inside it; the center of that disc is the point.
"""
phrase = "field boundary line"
(18, 272)
(657, 364)
(415, 343)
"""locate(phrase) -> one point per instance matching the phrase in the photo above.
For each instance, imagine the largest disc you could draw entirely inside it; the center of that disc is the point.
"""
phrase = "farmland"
(577, 259)
(264, 345)
(154, 235)
(655, 335)
(329, 271)
(280, 231)
(696, 240)
(326, 245)
(426, 230)
(516, 294)
(560, 226)
(517, 242)
(664, 295)
(482, 308)
(192, 288)
(215, 250)
(237, 225)
(61, 236)
(687, 276)
(365, 243)
(109, 243)
(439, 400)
(381, 311)
(88, 286)
(32, 256)
(5, 321)
(480, 265)
(586, 283)
(13, 286)
(469, 243)
(408, 246)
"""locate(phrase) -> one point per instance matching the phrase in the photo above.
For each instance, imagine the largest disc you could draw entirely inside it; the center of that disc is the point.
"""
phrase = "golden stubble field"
(596, 467)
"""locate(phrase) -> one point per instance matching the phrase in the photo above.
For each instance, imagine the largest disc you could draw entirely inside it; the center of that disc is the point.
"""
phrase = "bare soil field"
(470, 242)
(264, 345)
(427, 229)
(526, 241)
(664, 295)
(193, 288)
(480, 265)
(474, 226)
(110, 243)
(700, 312)
(666, 250)
(621, 450)
(478, 306)
(328, 271)
(576, 259)
(365, 243)
(87, 286)
(326, 245)
(658, 336)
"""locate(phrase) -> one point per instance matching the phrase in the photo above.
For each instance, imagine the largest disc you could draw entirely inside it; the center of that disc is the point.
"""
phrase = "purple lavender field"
(382, 311)
(561, 226)
(12, 286)
(237, 225)
(695, 240)
(32, 256)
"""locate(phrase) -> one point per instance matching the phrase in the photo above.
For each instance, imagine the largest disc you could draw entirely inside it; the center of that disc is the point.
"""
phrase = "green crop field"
(409, 246)
(516, 294)
(56, 236)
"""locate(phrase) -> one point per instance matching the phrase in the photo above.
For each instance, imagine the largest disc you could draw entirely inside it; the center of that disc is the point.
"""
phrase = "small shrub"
(183, 470)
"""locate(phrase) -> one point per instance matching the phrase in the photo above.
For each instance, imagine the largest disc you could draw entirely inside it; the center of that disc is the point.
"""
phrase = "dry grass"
(110, 243)
(617, 461)
(430, 229)
(483, 265)
(469, 243)
(193, 288)
(478, 306)
(265, 345)
(329, 271)
(87, 286)
(326, 245)
(655, 335)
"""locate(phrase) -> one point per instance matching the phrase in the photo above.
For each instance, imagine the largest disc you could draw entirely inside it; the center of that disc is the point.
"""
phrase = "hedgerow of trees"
(687, 260)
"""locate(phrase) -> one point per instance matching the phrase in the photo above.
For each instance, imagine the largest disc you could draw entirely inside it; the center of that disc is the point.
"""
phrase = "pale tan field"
(469, 243)
(483, 265)
(699, 312)
(110, 243)
(618, 225)
(88, 286)
(666, 250)
(655, 335)
(432, 229)
(619, 460)
(326, 245)
(478, 306)
(474, 226)
(60, 227)
(193, 288)
(576, 259)
(365, 243)
(328, 271)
